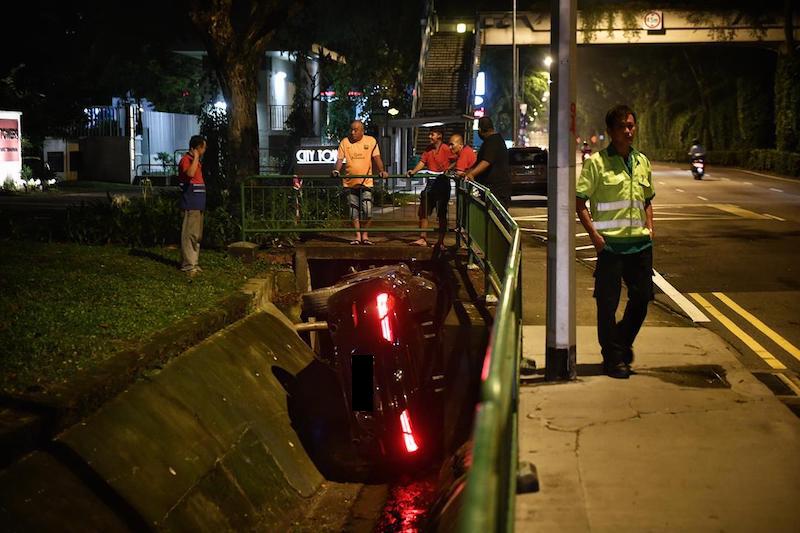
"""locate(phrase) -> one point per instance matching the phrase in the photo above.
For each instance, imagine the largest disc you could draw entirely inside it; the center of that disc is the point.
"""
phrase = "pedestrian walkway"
(692, 442)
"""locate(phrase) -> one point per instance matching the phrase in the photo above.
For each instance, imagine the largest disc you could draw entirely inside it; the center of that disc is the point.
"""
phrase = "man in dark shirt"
(492, 169)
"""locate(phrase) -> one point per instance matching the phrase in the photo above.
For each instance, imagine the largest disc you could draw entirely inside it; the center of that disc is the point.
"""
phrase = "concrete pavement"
(692, 442)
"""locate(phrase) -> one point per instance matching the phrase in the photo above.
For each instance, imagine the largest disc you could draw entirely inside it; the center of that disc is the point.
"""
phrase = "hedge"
(785, 163)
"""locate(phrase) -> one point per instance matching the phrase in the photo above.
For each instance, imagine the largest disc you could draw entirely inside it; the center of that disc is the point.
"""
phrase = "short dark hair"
(196, 140)
(485, 124)
(618, 114)
(438, 129)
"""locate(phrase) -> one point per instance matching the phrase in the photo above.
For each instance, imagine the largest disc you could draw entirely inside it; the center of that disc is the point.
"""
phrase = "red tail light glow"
(384, 305)
(408, 436)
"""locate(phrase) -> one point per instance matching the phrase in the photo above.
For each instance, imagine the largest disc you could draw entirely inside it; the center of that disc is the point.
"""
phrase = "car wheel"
(315, 303)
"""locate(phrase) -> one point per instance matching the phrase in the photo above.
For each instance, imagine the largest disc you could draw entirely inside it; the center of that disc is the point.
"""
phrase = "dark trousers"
(616, 338)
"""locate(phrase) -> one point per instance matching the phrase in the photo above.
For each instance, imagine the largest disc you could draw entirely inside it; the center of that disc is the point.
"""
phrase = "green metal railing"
(493, 240)
(288, 204)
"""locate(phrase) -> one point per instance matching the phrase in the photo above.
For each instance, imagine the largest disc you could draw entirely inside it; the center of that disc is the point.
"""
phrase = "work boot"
(616, 370)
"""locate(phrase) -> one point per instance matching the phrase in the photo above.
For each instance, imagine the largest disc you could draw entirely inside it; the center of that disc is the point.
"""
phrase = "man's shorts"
(436, 194)
(362, 195)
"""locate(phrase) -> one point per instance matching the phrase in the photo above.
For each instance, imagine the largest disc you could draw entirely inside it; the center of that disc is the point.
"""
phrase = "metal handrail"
(488, 500)
(167, 171)
(430, 29)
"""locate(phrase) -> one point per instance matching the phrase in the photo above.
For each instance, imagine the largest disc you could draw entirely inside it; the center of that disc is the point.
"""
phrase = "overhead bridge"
(647, 27)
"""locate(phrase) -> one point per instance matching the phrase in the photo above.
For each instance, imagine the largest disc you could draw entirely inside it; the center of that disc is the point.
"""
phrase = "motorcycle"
(383, 324)
(698, 167)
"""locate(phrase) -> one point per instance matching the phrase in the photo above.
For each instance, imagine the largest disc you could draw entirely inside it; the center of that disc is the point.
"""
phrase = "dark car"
(39, 169)
(528, 170)
(383, 323)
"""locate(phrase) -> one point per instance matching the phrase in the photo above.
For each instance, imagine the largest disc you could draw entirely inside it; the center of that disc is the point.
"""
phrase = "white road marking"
(535, 230)
(590, 259)
(680, 190)
(774, 217)
(531, 217)
(662, 183)
(776, 190)
(703, 198)
(747, 183)
(767, 176)
(591, 246)
(688, 307)
(581, 234)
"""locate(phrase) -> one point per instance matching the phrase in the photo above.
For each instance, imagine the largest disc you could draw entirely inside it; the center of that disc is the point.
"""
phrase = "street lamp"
(548, 61)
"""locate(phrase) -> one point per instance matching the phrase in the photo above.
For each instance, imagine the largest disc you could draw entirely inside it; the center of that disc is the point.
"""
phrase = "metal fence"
(493, 239)
(290, 204)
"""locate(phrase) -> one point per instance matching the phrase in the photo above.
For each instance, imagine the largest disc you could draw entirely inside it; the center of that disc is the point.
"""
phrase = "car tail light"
(384, 305)
(408, 435)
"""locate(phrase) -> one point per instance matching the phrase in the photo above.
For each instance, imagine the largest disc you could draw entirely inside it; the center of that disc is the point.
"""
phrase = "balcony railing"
(278, 114)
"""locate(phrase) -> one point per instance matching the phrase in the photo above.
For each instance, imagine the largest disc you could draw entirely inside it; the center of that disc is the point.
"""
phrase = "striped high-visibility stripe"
(621, 204)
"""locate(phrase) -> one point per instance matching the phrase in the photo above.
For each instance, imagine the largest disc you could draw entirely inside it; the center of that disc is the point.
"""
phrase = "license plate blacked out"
(362, 382)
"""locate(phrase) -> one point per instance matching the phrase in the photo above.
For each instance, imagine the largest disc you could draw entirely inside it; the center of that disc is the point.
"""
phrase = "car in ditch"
(384, 324)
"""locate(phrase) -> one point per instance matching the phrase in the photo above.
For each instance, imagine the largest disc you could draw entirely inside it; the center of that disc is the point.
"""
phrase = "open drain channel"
(412, 490)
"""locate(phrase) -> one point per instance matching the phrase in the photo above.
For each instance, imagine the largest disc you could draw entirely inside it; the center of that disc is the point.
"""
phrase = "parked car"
(387, 356)
(528, 170)
(40, 169)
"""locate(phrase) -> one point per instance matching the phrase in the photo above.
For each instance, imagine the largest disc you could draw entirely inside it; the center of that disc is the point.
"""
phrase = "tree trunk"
(239, 73)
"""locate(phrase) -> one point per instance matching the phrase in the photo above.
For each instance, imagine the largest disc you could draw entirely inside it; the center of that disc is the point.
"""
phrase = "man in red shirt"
(193, 204)
(436, 158)
(465, 155)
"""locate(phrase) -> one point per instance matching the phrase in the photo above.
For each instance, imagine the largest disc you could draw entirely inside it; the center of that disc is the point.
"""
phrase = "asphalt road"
(729, 244)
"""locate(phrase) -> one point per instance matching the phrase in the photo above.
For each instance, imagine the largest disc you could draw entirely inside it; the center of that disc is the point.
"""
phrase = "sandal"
(354, 243)
(420, 242)
(367, 242)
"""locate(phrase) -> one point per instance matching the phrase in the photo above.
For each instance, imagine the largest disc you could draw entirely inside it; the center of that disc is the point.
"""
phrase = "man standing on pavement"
(492, 169)
(465, 155)
(193, 204)
(437, 157)
(618, 184)
(359, 153)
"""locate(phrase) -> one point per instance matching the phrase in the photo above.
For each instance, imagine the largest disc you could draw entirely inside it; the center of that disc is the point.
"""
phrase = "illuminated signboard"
(315, 156)
(314, 160)
(10, 142)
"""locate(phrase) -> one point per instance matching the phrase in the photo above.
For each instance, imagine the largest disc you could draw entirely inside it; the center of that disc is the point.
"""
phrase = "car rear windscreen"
(527, 158)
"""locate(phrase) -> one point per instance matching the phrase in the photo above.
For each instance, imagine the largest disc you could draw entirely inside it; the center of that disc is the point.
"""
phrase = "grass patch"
(66, 307)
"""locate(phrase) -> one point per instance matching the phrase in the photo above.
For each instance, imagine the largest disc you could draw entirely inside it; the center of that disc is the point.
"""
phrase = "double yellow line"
(751, 343)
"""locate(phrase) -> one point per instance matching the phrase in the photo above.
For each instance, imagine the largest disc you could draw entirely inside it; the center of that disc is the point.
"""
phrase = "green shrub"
(787, 163)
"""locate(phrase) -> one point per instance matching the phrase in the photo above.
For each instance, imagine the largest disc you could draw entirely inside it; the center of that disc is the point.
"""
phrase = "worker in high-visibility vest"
(618, 184)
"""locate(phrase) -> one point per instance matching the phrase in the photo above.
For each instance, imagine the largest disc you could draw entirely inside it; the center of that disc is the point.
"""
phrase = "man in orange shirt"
(437, 157)
(359, 153)
(464, 154)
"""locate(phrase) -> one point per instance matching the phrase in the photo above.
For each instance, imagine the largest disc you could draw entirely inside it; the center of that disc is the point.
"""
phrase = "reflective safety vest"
(616, 195)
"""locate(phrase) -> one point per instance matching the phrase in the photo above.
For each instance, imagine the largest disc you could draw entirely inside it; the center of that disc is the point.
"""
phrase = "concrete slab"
(647, 454)
(207, 443)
